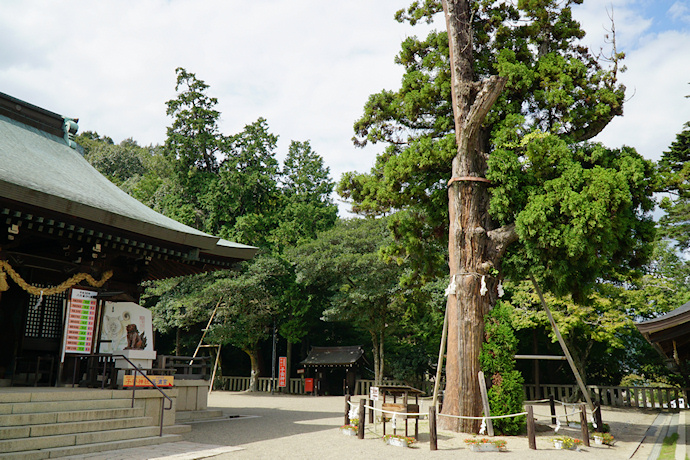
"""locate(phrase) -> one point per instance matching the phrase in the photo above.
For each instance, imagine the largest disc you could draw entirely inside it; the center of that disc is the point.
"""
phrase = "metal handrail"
(134, 387)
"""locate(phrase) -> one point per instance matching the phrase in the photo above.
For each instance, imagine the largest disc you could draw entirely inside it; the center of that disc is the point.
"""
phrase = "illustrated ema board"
(116, 317)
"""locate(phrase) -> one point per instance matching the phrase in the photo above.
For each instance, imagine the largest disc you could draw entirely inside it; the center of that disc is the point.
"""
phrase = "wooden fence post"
(433, 439)
(552, 405)
(531, 429)
(583, 424)
(362, 416)
(347, 410)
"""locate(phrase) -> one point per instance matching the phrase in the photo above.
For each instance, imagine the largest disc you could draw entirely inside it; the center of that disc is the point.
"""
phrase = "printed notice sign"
(81, 321)
(141, 381)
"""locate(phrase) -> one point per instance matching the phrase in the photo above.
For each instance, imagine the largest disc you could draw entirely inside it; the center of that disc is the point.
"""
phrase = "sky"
(306, 66)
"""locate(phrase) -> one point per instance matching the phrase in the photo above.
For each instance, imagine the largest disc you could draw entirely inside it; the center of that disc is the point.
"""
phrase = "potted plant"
(485, 444)
(566, 442)
(603, 438)
(398, 440)
(349, 430)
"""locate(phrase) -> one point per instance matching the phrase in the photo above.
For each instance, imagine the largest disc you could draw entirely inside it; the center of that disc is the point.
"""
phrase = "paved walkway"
(171, 451)
(304, 427)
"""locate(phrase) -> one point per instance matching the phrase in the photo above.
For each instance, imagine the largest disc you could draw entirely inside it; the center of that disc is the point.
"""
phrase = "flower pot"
(484, 447)
(598, 440)
(558, 444)
(349, 431)
(396, 442)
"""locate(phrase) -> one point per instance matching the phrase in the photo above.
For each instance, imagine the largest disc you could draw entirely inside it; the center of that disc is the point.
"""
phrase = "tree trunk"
(288, 370)
(474, 245)
(178, 339)
(256, 368)
(377, 349)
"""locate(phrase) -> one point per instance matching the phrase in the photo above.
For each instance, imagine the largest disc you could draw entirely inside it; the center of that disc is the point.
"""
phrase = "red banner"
(282, 372)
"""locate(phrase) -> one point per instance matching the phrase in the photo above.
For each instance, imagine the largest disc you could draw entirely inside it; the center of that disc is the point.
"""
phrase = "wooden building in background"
(64, 225)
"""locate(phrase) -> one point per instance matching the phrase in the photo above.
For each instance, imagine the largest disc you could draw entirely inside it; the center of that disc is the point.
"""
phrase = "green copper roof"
(39, 168)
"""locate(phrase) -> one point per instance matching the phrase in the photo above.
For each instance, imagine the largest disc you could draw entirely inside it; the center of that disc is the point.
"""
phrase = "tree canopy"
(486, 143)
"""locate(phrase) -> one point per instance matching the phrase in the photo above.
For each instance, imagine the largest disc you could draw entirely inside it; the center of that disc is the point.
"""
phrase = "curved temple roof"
(669, 334)
(333, 356)
(40, 169)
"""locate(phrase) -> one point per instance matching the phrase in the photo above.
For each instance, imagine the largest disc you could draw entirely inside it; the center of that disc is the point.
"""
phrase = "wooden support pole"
(371, 411)
(485, 403)
(552, 405)
(566, 352)
(583, 424)
(433, 439)
(531, 429)
(347, 410)
(439, 366)
(362, 415)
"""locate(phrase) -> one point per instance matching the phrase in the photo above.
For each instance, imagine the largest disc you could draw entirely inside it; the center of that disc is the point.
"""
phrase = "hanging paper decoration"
(500, 289)
(482, 428)
(451, 287)
(483, 290)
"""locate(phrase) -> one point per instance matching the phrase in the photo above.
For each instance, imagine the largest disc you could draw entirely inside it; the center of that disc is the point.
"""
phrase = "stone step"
(38, 418)
(76, 439)
(52, 429)
(70, 451)
(63, 406)
(50, 394)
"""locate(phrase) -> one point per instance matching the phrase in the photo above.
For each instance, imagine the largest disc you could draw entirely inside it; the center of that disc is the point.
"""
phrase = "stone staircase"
(52, 422)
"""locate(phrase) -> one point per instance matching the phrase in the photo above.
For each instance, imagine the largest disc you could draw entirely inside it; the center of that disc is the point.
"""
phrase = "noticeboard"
(81, 321)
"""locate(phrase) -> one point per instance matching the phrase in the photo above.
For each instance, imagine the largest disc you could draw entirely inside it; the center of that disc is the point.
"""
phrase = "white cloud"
(658, 63)
(304, 65)
(680, 11)
(307, 66)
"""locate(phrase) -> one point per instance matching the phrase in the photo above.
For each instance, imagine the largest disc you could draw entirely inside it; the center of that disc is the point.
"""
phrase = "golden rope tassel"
(3, 281)
(62, 287)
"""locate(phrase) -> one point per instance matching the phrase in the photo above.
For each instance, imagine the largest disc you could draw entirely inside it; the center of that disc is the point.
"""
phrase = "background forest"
(379, 279)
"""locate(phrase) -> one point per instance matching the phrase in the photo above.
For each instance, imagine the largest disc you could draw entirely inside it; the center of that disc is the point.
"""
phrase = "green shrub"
(498, 363)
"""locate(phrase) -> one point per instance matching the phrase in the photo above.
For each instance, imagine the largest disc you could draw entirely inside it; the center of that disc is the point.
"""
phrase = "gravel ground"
(307, 427)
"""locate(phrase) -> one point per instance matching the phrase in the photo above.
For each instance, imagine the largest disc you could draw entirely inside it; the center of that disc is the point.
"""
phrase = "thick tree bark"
(475, 246)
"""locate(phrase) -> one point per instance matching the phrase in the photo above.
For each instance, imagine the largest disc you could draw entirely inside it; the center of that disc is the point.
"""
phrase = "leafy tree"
(674, 166)
(178, 305)
(91, 139)
(486, 144)
(306, 204)
(251, 305)
(356, 285)
(194, 138)
(118, 162)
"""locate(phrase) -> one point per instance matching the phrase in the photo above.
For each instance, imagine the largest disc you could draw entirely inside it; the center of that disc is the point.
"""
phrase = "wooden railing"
(642, 397)
(296, 386)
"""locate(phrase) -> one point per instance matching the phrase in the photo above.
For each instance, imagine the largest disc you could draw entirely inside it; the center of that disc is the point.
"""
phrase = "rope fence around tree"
(357, 411)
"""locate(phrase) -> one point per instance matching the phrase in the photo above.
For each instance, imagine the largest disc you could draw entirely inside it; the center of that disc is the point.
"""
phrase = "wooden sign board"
(80, 321)
(163, 381)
